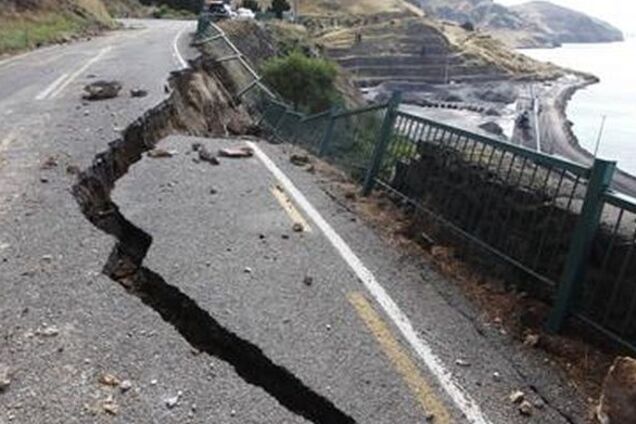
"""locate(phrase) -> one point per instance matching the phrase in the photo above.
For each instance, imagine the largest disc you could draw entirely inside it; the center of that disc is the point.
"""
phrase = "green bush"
(280, 6)
(252, 5)
(307, 83)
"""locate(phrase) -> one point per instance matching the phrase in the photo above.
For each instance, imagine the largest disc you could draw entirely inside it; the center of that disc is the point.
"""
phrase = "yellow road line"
(405, 366)
(288, 206)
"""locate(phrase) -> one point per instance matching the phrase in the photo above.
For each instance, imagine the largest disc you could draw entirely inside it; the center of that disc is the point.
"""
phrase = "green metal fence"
(554, 220)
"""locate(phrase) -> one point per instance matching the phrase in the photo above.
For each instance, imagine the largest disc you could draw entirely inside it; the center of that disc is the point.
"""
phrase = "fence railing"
(554, 220)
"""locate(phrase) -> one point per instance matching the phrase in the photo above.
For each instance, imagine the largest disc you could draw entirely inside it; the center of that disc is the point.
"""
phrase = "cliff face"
(533, 24)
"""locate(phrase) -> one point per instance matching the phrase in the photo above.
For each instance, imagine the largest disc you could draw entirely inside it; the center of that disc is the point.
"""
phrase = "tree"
(252, 5)
(307, 83)
(279, 6)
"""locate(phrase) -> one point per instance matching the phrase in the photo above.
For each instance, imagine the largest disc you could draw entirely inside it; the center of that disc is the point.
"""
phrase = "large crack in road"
(197, 105)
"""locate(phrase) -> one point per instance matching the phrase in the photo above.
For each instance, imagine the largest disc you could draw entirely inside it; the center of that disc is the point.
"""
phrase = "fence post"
(326, 138)
(383, 142)
(581, 243)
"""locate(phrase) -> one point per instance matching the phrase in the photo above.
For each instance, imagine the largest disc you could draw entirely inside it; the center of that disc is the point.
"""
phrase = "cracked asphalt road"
(63, 325)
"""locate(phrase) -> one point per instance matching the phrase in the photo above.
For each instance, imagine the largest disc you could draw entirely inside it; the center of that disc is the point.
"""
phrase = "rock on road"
(78, 349)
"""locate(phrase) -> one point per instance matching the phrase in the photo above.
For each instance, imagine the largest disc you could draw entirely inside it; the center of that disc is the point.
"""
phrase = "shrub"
(279, 6)
(252, 5)
(307, 83)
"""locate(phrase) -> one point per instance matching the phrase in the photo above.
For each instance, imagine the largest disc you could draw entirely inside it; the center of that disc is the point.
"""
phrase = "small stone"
(531, 340)
(48, 331)
(109, 380)
(496, 376)
(153, 382)
(213, 191)
(308, 281)
(196, 147)
(328, 327)
(47, 258)
(44, 180)
(539, 404)
(285, 236)
(430, 417)
(462, 363)
(298, 227)
(299, 160)
(247, 270)
(125, 386)
(138, 92)
(517, 397)
(173, 401)
(110, 407)
(232, 413)
(525, 408)
(5, 378)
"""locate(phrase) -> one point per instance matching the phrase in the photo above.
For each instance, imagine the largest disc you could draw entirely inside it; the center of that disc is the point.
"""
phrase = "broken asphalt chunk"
(241, 152)
(102, 90)
(160, 153)
(206, 156)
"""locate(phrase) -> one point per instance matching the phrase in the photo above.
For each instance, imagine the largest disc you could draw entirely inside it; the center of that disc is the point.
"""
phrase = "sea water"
(614, 97)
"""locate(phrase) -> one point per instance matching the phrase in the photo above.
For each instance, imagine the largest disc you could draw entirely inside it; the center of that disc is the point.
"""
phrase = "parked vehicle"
(244, 13)
(218, 10)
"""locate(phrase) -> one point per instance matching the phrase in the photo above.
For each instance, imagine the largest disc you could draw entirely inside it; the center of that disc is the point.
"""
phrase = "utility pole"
(600, 135)
(296, 7)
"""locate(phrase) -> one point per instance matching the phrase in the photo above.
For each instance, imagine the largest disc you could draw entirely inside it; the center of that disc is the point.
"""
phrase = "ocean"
(614, 97)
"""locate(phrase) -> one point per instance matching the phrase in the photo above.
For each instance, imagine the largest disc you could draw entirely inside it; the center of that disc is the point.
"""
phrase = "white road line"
(77, 73)
(48, 90)
(175, 47)
(462, 400)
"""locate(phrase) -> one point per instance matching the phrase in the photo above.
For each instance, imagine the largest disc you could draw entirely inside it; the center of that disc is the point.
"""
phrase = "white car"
(244, 13)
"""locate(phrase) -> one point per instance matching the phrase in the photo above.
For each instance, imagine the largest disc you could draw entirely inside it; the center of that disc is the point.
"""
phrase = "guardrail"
(552, 219)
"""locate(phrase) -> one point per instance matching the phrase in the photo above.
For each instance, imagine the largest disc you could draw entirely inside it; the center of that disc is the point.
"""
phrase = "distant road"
(556, 139)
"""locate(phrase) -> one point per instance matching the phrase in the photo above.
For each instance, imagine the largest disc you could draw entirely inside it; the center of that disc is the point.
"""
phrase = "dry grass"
(23, 27)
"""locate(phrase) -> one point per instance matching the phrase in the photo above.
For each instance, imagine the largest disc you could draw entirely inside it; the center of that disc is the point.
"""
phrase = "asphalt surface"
(235, 254)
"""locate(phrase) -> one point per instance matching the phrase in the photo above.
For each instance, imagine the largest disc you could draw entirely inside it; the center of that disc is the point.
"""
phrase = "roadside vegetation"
(307, 83)
(25, 25)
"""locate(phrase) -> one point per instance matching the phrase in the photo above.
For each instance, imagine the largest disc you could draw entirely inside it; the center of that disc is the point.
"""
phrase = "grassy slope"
(28, 24)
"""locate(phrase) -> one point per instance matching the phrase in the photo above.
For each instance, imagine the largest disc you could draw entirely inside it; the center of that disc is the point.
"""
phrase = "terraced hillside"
(416, 49)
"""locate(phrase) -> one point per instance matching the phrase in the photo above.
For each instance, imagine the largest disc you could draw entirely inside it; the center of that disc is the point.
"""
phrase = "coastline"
(564, 142)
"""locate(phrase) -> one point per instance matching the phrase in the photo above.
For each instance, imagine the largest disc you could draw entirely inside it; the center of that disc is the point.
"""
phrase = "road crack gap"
(196, 106)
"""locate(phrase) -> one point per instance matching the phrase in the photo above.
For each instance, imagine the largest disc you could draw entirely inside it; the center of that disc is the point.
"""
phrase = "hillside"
(533, 24)
(26, 24)
(400, 44)
(566, 25)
